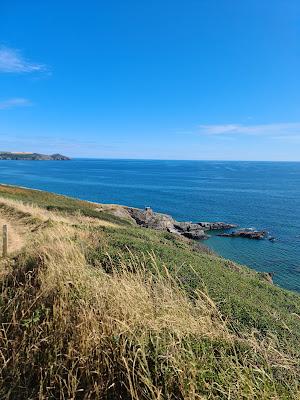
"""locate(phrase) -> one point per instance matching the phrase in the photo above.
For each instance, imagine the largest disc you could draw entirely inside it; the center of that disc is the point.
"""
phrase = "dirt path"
(16, 235)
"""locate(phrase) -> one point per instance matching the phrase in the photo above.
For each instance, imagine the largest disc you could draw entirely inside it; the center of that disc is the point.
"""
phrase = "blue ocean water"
(262, 195)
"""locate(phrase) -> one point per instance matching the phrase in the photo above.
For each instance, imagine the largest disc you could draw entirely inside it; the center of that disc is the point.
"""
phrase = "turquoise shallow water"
(262, 195)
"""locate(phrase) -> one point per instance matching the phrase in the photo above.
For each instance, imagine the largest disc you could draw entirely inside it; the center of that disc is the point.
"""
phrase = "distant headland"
(6, 155)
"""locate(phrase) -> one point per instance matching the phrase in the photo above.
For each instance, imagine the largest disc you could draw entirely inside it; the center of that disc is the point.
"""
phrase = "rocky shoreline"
(147, 218)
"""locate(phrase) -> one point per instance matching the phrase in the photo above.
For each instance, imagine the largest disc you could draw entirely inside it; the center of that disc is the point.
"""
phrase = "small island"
(6, 155)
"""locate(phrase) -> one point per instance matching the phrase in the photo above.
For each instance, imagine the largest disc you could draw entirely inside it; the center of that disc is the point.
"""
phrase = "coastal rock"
(216, 226)
(267, 276)
(163, 222)
(59, 157)
(249, 234)
(190, 230)
(150, 219)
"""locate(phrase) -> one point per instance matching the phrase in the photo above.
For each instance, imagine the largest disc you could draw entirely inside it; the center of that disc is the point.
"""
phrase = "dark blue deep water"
(262, 195)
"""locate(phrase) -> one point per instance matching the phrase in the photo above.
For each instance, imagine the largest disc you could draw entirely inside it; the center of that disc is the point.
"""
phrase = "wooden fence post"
(5, 242)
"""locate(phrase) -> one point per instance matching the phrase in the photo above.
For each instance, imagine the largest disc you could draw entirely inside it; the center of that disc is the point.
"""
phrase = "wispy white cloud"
(16, 102)
(12, 61)
(275, 129)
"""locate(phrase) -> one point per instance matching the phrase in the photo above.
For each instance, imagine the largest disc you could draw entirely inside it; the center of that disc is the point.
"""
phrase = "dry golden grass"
(71, 330)
(152, 300)
(12, 206)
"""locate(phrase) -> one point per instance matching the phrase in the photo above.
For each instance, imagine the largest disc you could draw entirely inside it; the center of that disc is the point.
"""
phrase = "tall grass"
(70, 330)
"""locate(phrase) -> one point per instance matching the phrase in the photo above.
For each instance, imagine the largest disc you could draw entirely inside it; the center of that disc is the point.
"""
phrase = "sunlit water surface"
(261, 195)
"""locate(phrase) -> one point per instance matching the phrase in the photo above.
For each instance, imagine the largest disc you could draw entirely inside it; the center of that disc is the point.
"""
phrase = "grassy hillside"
(94, 307)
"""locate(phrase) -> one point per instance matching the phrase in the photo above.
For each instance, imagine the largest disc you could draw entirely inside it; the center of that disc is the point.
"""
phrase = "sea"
(257, 195)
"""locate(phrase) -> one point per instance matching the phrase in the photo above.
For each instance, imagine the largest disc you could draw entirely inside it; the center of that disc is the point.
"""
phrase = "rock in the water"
(216, 226)
(249, 234)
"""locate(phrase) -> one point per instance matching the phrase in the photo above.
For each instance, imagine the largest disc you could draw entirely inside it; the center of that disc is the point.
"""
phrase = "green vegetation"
(54, 202)
(95, 307)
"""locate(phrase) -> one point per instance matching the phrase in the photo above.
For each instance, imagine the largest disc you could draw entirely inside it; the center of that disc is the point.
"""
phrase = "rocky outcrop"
(163, 222)
(249, 234)
(190, 230)
(267, 277)
(216, 226)
(149, 219)
(59, 157)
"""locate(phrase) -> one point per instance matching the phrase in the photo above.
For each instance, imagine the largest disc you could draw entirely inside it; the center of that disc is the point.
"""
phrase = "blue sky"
(213, 79)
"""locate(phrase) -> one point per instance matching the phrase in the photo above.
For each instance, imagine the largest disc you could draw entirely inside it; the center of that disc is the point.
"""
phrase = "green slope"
(251, 307)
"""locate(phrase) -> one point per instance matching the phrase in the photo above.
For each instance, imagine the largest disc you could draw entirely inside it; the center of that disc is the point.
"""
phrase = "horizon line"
(177, 159)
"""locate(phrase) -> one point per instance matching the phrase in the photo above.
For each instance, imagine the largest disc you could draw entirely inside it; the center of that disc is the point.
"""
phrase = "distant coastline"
(6, 155)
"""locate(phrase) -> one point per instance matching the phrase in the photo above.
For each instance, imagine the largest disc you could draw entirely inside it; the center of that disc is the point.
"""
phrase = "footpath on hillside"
(16, 235)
